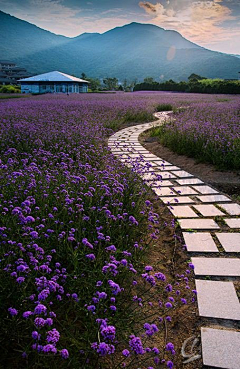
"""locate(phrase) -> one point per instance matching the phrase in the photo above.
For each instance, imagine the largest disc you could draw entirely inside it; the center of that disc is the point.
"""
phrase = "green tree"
(83, 75)
(111, 83)
(125, 84)
(195, 77)
(95, 84)
(148, 80)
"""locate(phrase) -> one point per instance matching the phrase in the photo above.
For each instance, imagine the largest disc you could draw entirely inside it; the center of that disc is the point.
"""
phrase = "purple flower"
(34, 234)
(64, 353)
(35, 335)
(136, 346)
(155, 350)
(49, 349)
(20, 280)
(40, 309)
(91, 308)
(148, 268)
(90, 256)
(168, 305)
(160, 276)
(27, 314)
(53, 336)
(12, 311)
(170, 364)
(126, 353)
(39, 322)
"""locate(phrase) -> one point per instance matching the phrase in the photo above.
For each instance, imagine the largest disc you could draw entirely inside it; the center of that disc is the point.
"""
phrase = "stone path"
(211, 232)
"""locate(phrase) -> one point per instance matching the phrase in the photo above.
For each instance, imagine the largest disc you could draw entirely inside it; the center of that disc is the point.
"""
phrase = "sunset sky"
(214, 24)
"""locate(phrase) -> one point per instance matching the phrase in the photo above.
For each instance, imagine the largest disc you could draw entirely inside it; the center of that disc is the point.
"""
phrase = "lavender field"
(77, 227)
(208, 131)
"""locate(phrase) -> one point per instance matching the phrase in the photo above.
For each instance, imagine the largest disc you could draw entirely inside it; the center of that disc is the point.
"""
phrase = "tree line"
(195, 83)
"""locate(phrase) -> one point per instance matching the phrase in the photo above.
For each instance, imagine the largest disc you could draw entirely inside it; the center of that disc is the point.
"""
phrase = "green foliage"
(208, 86)
(195, 77)
(164, 107)
(111, 83)
(148, 80)
(9, 89)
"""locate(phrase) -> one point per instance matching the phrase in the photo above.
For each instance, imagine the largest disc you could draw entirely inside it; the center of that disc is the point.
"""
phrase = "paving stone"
(185, 190)
(205, 189)
(189, 181)
(199, 242)
(155, 175)
(163, 183)
(164, 191)
(183, 174)
(166, 175)
(233, 223)
(217, 266)
(217, 300)
(213, 198)
(220, 348)
(150, 156)
(208, 210)
(182, 211)
(198, 224)
(231, 209)
(170, 167)
(229, 241)
(177, 200)
(159, 161)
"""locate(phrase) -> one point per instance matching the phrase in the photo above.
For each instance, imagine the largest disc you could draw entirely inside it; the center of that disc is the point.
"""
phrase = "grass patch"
(200, 148)
(164, 107)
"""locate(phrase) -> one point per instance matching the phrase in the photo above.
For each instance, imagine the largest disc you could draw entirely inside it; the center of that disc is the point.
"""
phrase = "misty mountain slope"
(132, 51)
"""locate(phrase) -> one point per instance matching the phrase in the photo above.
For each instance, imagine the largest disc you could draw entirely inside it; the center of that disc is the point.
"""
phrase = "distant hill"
(132, 51)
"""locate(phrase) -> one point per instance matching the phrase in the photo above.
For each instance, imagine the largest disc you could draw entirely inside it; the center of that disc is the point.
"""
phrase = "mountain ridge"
(135, 50)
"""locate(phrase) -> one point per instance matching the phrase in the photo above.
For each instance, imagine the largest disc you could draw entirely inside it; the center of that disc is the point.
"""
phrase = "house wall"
(29, 88)
(56, 87)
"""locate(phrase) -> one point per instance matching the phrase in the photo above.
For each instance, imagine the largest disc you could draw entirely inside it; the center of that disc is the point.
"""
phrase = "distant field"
(208, 131)
(76, 227)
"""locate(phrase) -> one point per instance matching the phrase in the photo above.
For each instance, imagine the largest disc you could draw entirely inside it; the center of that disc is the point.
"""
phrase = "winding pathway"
(210, 223)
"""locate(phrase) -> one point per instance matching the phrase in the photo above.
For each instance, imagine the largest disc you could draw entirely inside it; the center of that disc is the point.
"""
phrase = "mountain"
(132, 51)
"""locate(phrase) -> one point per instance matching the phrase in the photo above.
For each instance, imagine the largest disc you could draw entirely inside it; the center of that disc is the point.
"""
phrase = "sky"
(214, 24)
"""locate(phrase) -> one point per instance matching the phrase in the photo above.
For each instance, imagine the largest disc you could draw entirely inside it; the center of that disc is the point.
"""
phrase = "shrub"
(9, 89)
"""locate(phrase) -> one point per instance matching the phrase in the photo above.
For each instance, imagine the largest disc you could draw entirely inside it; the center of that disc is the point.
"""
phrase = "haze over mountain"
(132, 51)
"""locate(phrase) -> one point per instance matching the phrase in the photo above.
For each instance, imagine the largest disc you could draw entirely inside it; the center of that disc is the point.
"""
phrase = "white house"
(53, 82)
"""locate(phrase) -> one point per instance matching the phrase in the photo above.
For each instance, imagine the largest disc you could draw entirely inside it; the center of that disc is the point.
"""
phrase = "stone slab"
(233, 223)
(189, 181)
(217, 300)
(183, 212)
(199, 242)
(183, 174)
(220, 348)
(177, 200)
(208, 210)
(165, 182)
(213, 198)
(155, 175)
(205, 190)
(185, 190)
(222, 267)
(161, 161)
(198, 224)
(164, 191)
(231, 209)
(229, 241)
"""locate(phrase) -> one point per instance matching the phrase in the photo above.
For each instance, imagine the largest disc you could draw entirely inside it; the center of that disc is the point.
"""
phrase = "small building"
(10, 73)
(53, 82)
